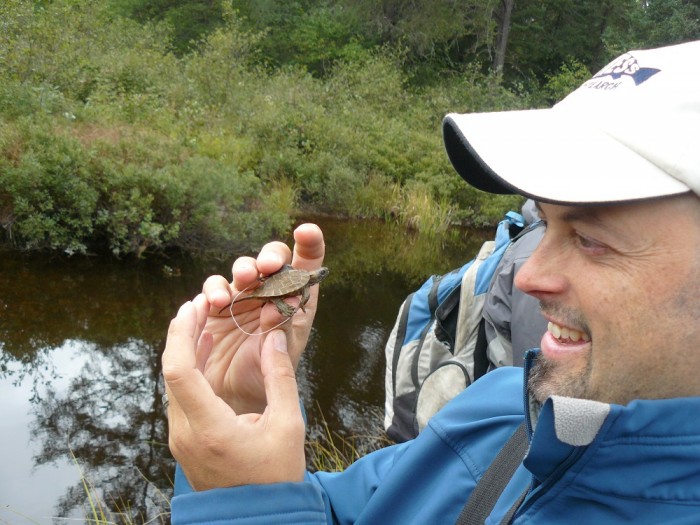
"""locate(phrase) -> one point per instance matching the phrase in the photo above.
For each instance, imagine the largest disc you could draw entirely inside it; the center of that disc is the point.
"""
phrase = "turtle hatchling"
(287, 282)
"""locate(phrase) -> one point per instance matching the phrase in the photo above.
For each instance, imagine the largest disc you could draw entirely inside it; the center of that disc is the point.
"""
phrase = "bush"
(61, 195)
(49, 194)
(571, 75)
(112, 143)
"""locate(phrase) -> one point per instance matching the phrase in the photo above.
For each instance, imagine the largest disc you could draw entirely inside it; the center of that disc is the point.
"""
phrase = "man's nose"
(542, 274)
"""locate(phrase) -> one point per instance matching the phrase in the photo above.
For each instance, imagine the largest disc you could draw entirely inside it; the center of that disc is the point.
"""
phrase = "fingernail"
(279, 341)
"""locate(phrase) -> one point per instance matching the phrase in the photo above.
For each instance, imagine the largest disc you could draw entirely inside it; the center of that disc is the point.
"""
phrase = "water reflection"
(80, 344)
(109, 418)
(83, 338)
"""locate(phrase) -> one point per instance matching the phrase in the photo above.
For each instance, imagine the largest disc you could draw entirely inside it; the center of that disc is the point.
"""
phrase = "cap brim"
(543, 155)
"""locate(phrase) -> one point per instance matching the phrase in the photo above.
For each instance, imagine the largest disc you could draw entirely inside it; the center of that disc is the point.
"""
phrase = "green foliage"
(72, 193)
(570, 76)
(47, 191)
(435, 34)
(546, 34)
(672, 21)
(78, 48)
(222, 64)
(111, 141)
(657, 23)
(320, 37)
(189, 21)
(22, 98)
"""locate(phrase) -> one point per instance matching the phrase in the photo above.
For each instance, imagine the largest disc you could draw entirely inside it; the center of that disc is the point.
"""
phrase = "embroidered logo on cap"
(612, 75)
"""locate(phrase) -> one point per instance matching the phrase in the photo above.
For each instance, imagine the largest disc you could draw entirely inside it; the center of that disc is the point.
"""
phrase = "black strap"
(489, 488)
(481, 360)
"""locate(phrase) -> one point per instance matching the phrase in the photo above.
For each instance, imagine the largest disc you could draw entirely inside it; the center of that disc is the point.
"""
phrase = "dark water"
(80, 378)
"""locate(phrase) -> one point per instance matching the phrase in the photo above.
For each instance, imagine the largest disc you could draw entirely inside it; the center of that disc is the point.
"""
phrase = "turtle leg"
(305, 296)
(283, 308)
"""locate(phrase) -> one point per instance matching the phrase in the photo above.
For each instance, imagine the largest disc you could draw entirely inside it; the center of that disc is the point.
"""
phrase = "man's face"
(620, 286)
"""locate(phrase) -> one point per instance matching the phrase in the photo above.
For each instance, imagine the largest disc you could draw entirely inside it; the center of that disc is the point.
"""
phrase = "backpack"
(438, 346)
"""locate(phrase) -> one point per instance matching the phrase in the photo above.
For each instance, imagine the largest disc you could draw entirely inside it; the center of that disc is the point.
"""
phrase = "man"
(613, 392)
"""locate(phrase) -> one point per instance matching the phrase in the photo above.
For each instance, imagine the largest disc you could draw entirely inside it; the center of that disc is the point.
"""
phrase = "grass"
(98, 512)
(420, 212)
(332, 452)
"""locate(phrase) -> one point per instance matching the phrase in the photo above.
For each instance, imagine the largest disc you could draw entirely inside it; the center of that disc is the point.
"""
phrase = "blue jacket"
(588, 462)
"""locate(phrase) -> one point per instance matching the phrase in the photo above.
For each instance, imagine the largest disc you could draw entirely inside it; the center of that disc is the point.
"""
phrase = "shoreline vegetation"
(122, 133)
(135, 150)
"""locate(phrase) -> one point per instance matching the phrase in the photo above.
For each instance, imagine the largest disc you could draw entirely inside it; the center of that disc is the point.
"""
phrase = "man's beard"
(549, 378)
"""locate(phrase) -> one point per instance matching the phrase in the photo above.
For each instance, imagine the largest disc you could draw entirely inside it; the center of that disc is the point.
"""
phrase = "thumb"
(284, 420)
(280, 379)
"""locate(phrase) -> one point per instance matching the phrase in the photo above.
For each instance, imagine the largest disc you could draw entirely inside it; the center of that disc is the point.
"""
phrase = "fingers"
(283, 410)
(216, 447)
(201, 306)
(272, 257)
(181, 333)
(205, 346)
(309, 247)
(280, 379)
(309, 250)
(188, 390)
(217, 291)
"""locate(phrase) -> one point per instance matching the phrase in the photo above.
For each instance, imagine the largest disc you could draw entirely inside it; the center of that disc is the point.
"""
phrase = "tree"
(547, 33)
(436, 35)
(503, 20)
(670, 21)
(189, 20)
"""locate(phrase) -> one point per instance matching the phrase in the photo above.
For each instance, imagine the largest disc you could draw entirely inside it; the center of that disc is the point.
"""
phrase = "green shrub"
(51, 196)
(571, 75)
(20, 99)
(109, 142)
(62, 193)
(223, 211)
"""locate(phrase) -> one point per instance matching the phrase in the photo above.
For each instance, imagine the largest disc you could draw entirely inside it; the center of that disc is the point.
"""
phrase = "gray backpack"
(456, 327)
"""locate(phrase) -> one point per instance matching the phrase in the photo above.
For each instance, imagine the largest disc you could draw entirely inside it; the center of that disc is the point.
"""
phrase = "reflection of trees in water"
(111, 419)
(112, 317)
(115, 316)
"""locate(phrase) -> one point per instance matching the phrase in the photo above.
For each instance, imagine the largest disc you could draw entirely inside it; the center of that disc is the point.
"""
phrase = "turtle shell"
(286, 282)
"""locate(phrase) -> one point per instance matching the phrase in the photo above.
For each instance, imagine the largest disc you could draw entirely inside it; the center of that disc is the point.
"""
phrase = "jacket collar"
(614, 437)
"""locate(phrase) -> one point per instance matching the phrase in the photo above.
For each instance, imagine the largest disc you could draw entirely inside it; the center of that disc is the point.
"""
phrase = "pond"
(81, 418)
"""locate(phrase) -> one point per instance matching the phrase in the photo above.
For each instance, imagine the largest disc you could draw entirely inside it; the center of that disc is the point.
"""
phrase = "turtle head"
(316, 276)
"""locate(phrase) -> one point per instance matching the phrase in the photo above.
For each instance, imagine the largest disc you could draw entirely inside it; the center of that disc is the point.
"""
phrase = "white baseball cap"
(631, 132)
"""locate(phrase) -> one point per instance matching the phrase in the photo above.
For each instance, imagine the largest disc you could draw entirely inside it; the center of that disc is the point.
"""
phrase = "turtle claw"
(283, 308)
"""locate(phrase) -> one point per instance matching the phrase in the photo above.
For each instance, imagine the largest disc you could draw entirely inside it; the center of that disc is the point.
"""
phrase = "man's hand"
(215, 446)
(234, 414)
(233, 366)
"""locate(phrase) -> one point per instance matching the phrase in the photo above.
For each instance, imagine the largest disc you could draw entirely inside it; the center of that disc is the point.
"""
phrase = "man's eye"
(589, 244)
(584, 242)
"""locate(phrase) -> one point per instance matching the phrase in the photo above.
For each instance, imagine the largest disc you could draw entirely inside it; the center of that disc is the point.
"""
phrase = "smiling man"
(619, 287)
(608, 427)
